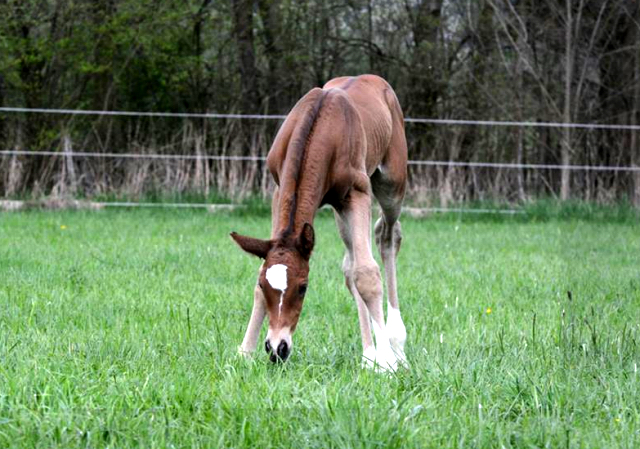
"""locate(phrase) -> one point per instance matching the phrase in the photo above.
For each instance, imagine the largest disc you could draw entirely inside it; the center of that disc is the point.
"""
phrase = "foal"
(339, 145)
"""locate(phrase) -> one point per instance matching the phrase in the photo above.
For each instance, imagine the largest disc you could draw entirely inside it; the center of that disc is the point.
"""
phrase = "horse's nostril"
(280, 354)
(283, 350)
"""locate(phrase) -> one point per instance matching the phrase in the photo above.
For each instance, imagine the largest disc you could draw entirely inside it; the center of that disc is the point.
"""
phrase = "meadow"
(120, 329)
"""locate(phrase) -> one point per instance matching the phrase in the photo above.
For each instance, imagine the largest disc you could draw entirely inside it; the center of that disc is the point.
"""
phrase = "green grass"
(121, 330)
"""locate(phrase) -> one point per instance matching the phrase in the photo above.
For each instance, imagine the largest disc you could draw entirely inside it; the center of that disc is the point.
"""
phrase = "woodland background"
(523, 60)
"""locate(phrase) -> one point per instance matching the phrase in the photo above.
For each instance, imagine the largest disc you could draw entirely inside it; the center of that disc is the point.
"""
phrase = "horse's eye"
(302, 289)
(260, 285)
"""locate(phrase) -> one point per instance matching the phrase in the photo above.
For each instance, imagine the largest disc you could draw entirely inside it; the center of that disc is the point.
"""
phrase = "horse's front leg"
(250, 340)
(258, 313)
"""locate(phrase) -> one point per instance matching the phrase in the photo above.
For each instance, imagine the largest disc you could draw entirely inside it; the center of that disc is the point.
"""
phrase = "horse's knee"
(378, 230)
(387, 236)
(347, 271)
(397, 236)
(368, 282)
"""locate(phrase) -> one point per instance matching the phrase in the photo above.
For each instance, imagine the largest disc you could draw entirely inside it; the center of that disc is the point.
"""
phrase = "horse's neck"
(298, 204)
(297, 209)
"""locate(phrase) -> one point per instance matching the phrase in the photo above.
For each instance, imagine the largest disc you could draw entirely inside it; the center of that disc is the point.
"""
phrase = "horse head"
(283, 280)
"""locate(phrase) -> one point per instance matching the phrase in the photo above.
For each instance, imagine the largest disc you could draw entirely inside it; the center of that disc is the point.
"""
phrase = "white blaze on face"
(277, 277)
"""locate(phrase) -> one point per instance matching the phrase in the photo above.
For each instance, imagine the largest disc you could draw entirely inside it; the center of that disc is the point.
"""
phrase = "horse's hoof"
(244, 353)
(369, 358)
(386, 362)
(380, 362)
(401, 358)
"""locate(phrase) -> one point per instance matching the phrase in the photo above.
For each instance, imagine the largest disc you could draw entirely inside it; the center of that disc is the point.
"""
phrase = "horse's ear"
(257, 247)
(306, 240)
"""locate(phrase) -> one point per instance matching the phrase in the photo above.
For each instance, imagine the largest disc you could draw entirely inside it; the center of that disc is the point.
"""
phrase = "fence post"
(68, 158)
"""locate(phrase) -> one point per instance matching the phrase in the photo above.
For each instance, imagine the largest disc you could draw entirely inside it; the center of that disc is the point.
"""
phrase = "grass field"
(120, 329)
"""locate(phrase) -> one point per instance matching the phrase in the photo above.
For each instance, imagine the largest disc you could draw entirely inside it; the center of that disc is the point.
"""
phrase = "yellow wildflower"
(488, 310)
(63, 227)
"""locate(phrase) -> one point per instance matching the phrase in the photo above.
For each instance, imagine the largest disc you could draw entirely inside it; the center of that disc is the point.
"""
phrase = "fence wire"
(416, 212)
(209, 115)
(282, 117)
(262, 158)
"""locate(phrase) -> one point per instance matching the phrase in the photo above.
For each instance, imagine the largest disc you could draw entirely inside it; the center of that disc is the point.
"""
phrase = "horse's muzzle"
(282, 351)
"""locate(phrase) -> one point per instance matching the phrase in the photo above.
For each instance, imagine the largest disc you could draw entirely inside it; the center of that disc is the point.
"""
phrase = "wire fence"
(416, 212)
(199, 157)
(214, 115)
(262, 158)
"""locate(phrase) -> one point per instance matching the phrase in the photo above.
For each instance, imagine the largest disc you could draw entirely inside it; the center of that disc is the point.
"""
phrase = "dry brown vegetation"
(523, 60)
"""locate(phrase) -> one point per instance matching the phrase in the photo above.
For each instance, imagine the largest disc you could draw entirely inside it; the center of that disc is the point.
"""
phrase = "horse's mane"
(296, 152)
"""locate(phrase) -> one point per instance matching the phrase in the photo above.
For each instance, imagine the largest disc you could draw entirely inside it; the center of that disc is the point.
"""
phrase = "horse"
(340, 145)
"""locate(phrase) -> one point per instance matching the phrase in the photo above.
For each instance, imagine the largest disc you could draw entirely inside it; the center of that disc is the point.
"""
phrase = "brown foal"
(339, 145)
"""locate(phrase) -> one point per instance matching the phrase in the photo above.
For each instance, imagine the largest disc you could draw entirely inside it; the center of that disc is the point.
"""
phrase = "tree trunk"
(249, 101)
(425, 26)
(243, 31)
(566, 132)
(634, 143)
(370, 33)
(520, 129)
(3, 137)
(272, 35)
(199, 94)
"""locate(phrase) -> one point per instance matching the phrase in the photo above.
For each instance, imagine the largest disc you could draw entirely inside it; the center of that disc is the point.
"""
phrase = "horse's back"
(351, 130)
(381, 116)
(368, 94)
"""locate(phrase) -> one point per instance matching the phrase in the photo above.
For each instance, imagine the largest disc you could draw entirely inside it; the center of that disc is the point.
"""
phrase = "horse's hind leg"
(388, 185)
(388, 238)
